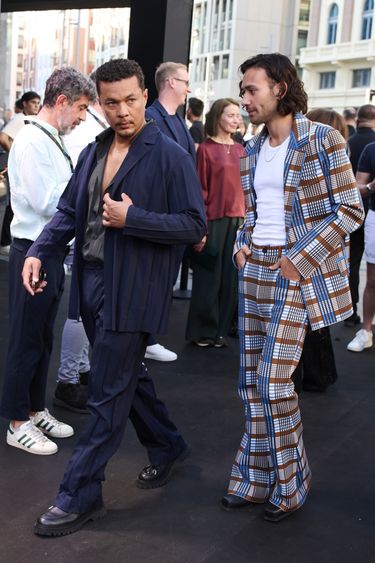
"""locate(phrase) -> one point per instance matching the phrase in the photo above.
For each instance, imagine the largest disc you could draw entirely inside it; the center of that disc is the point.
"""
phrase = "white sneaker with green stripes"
(29, 438)
(49, 425)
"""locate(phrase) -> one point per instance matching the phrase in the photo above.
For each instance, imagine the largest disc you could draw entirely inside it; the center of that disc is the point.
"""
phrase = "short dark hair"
(213, 116)
(69, 82)
(196, 106)
(116, 70)
(366, 113)
(280, 70)
(349, 113)
(19, 104)
(30, 95)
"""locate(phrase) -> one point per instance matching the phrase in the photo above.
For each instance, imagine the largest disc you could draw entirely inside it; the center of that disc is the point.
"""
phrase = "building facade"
(80, 38)
(226, 32)
(339, 60)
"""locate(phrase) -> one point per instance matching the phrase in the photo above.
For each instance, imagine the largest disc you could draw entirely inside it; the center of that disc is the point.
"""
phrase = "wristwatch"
(368, 187)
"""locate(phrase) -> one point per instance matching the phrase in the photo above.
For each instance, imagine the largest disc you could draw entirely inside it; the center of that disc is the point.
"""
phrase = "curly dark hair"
(117, 69)
(280, 70)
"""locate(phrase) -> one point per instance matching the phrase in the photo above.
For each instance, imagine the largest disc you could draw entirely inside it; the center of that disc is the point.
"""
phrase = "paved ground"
(183, 522)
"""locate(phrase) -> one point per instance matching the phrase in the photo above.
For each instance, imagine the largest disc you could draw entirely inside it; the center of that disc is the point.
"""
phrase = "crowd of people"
(120, 193)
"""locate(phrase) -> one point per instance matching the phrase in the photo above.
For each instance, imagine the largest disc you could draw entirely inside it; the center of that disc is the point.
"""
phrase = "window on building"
(222, 37)
(368, 10)
(304, 11)
(216, 67)
(361, 77)
(229, 36)
(230, 10)
(332, 24)
(327, 80)
(224, 66)
(301, 40)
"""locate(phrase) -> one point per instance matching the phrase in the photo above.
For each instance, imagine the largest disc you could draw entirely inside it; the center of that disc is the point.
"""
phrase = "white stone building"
(338, 63)
(226, 32)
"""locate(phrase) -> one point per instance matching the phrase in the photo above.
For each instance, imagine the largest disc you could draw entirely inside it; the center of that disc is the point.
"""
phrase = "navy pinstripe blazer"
(322, 206)
(139, 260)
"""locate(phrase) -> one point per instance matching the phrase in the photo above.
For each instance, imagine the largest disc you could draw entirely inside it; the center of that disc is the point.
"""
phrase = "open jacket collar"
(295, 157)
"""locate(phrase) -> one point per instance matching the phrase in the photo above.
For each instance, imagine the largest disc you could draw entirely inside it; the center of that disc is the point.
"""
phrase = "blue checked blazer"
(322, 206)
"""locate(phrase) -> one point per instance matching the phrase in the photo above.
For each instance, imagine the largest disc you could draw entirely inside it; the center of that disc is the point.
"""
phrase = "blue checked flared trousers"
(271, 462)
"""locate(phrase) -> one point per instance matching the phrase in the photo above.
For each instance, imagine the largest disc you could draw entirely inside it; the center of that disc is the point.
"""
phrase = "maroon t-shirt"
(218, 168)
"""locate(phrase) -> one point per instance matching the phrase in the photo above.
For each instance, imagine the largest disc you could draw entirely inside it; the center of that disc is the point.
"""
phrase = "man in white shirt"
(301, 204)
(39, 170)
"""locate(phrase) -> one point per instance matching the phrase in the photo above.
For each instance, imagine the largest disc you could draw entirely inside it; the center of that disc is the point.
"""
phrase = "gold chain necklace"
(226, 146)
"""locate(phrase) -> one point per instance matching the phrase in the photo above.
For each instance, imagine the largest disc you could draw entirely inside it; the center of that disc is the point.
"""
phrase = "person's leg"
(114, 383)
(74, 349)
(252, 475)
(155, 430)
(369, 298)
(280, 355)
(364, 338)
(203, 318)
(69, 392)
(116, 361)
(271, 461)
(229, 277)
(30, 337)
(357, 245)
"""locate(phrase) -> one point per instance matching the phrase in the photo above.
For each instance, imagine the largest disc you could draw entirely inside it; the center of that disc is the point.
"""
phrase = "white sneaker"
(160, 354)
(362, 340)
(50, 426)
(29, 438)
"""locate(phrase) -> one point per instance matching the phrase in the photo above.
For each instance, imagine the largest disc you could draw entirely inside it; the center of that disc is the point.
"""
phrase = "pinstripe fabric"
(271, 461)
(322, 206)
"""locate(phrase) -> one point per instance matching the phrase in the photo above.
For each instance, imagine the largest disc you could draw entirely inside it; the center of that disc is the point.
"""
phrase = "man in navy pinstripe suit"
(133, 196)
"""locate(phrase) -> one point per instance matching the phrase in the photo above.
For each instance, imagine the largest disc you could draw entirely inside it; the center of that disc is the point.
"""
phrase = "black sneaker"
(71, 396)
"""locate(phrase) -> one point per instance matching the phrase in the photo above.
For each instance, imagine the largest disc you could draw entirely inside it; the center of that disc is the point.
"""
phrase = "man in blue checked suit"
(301, 204)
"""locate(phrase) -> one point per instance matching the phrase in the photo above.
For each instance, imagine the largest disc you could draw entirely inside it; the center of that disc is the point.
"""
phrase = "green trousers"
(214, 295)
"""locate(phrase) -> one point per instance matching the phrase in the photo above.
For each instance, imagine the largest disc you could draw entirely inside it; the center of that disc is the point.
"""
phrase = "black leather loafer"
(274, 513)
(154, 476)
(55, 522)
(230, 502)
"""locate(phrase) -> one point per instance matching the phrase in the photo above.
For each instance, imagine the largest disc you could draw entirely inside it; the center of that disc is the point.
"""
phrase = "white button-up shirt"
(38, 174)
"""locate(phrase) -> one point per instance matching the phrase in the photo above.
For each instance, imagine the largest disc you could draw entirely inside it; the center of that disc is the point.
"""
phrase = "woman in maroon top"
(214, 295)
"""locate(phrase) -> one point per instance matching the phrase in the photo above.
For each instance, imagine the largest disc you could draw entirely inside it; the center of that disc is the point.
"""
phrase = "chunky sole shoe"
(154, 476)
(55, 525)
(274, 513)
(233, 502)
